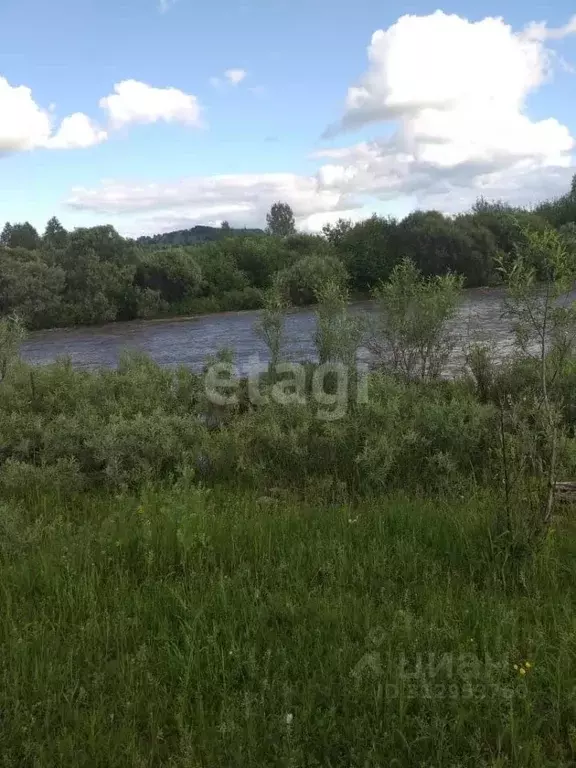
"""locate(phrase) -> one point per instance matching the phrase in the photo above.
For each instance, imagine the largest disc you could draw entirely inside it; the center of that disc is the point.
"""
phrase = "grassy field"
(210, 628)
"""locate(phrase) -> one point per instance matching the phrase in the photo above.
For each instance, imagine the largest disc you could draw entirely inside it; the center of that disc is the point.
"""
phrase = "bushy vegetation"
(95, 276)
(401, 426)
(327, 566)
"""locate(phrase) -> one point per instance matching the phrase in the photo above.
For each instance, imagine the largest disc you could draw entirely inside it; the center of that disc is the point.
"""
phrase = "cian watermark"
(458, 675)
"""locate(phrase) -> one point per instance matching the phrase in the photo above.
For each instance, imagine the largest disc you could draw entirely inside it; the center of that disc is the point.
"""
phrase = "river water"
(190, 341)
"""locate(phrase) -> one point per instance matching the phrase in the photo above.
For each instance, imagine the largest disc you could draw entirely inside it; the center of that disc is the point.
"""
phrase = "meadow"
(197, 627)
(336, 569)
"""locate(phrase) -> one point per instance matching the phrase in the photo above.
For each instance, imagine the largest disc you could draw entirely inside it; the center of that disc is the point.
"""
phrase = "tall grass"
(335, 580)
(207, 628)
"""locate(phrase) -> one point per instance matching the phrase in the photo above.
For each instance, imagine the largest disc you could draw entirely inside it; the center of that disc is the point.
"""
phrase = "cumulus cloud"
(77, 132)
(444, 68)
(136, 102)
(25, 126)
(455, 94)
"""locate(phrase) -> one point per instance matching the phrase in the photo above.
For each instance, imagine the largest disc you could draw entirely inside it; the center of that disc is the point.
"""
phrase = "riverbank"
(322, 566)
(189, 627)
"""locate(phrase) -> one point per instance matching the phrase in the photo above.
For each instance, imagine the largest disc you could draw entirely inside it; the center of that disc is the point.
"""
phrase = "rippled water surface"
(190, 341)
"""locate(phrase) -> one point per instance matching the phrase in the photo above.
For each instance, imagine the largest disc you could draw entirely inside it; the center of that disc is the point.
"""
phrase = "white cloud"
(454, 93)
(541, 31)
(235, 76)
(423, 66)
(368, 177)
(77, 132)
(25, 126)
(382, 170)
(240, 199)
(229, 77)
(136, 102)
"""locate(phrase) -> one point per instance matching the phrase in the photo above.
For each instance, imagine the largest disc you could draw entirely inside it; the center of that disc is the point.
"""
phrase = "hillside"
(198, 234)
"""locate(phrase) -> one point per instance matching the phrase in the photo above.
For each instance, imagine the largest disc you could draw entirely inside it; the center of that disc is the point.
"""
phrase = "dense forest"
(94, 275)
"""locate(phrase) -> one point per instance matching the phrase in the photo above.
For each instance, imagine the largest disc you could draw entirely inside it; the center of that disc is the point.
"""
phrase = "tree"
(259, 258)
(300, 282)
(225, 226)
(30, 288)
(334, 233)
(55, 236)
(220, 274)
(367, 249)
(562, 210)
(173, 273)
(6, 236)
(21, 236)
(304, 244)
(509, 226)
(280, 220)
(100, 267)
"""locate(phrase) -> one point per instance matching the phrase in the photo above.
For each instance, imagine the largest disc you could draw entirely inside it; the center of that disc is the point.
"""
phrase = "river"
(190, 341)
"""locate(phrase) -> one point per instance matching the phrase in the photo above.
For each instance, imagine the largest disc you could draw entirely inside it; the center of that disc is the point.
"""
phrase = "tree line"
(94, 275)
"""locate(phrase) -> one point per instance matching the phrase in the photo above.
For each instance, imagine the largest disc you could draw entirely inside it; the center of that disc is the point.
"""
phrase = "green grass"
(183, 628)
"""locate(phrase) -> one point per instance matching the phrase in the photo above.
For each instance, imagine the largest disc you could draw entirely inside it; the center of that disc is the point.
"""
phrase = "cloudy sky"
(161, 114)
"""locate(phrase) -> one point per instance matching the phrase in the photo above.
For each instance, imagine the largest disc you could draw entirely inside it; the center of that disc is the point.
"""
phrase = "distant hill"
(197, 235)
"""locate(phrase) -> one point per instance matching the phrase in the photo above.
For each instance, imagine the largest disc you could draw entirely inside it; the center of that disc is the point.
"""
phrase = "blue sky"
(300, 59)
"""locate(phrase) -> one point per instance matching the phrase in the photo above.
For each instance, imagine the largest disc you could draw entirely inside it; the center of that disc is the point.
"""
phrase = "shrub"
(410, 333)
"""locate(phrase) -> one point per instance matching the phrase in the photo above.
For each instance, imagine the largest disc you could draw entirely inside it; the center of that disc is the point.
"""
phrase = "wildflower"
(516, 666)
(289, 718)
(522, 671)
(528, 665)
(352, 519)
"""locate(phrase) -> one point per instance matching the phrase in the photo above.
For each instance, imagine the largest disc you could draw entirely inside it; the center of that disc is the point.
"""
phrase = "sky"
(154, 115)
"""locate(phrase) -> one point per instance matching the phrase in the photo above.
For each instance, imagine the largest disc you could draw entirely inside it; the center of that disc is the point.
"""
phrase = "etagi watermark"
(332, 387)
